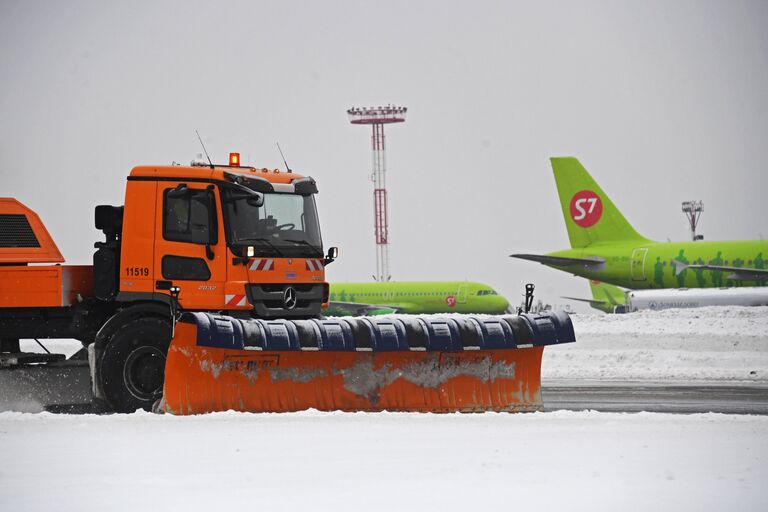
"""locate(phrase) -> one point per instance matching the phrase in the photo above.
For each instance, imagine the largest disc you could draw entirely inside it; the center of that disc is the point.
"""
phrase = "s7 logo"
(579, 206)
(586, 208)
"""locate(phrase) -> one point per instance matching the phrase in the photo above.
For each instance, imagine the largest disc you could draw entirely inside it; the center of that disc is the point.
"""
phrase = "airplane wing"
(736, 273)
(591, 263)
(358, 308)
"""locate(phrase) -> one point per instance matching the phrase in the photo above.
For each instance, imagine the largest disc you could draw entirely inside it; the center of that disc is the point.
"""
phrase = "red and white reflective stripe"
(262, 264)
(234, 300)
(314, 265)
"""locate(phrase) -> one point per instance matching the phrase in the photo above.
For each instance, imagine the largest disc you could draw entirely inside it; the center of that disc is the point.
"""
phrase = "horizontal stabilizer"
(736, 273)
(591, 263)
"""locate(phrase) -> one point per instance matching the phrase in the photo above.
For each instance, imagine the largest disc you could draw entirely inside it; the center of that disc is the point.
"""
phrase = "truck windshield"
(285, 225)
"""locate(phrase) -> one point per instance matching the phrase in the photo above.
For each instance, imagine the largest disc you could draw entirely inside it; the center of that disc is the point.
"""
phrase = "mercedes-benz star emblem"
(289, 298)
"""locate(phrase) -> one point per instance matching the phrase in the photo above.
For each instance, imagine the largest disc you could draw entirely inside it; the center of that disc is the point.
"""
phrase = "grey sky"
(661, 101)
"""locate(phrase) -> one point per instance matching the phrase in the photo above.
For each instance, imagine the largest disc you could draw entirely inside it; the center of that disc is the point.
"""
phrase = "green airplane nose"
(499, 303)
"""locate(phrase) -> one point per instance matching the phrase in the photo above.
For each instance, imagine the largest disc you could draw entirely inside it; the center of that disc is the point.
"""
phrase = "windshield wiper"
(304, 242)
(265, 240)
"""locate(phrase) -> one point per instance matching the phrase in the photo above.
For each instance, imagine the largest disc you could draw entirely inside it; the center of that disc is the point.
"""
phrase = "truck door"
(190, 250)
(637, 266)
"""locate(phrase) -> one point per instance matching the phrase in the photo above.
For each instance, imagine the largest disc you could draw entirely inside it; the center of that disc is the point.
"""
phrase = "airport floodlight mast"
(377, 117)
(692, 210)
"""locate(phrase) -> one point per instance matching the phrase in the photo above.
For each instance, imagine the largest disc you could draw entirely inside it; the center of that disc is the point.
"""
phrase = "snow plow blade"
(397, 363)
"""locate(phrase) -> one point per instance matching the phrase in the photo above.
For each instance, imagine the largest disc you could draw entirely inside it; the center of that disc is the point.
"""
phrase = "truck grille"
(269, 300)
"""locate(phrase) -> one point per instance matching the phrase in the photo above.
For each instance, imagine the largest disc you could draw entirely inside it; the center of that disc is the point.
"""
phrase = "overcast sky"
(662, 102)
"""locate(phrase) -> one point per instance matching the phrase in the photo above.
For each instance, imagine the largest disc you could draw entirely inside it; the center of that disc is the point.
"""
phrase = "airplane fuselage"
(423, 297)
(649, 264)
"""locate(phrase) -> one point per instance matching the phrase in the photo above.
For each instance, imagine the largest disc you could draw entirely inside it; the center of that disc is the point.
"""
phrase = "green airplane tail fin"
(610, 295)
(590, 215)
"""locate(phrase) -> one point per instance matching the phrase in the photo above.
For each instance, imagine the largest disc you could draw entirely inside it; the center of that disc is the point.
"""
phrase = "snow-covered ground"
(706, 344)
(336, 461)
(340, 461)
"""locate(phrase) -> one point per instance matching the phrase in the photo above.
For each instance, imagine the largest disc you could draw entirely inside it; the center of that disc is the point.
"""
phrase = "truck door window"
(189, 217)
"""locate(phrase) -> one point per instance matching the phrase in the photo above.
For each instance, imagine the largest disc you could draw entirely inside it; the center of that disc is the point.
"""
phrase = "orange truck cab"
(227, 239)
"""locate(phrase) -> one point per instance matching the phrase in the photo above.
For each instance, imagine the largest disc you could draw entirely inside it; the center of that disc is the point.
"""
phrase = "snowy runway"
(335, 461)
(338, 461)
(665, 397)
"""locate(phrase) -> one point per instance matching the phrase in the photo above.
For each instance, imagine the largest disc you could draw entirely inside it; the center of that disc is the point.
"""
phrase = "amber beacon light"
(234, 159)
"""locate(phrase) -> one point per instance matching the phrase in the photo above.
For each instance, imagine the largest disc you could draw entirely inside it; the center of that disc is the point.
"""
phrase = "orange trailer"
(23, 285)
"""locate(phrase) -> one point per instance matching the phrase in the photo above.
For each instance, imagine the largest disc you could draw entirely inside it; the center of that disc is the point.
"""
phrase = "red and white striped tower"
(377, 117)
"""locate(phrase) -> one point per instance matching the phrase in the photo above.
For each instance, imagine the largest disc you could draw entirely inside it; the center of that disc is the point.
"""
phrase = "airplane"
(605, 247)
(415, 297)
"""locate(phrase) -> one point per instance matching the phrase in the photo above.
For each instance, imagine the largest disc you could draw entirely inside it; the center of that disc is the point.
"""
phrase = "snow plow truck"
(206, 294)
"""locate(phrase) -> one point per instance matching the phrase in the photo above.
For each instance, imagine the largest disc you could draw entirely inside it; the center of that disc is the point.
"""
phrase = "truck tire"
(132, 365)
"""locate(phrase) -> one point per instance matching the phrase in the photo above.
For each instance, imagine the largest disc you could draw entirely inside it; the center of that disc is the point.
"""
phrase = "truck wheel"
(132, 367)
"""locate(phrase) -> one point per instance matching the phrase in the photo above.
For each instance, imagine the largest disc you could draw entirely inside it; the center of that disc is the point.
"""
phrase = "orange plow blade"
(397, 363)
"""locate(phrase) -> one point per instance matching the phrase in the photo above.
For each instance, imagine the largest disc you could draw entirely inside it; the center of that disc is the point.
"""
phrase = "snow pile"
(706, 344)
(337, 461)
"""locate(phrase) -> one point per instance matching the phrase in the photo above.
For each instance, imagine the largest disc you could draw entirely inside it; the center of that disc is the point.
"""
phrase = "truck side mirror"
(252, 197)
(333, 253)
(256, 200)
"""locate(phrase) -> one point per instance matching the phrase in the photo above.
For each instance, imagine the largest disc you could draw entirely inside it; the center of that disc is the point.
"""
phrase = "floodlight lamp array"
(377, 115)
